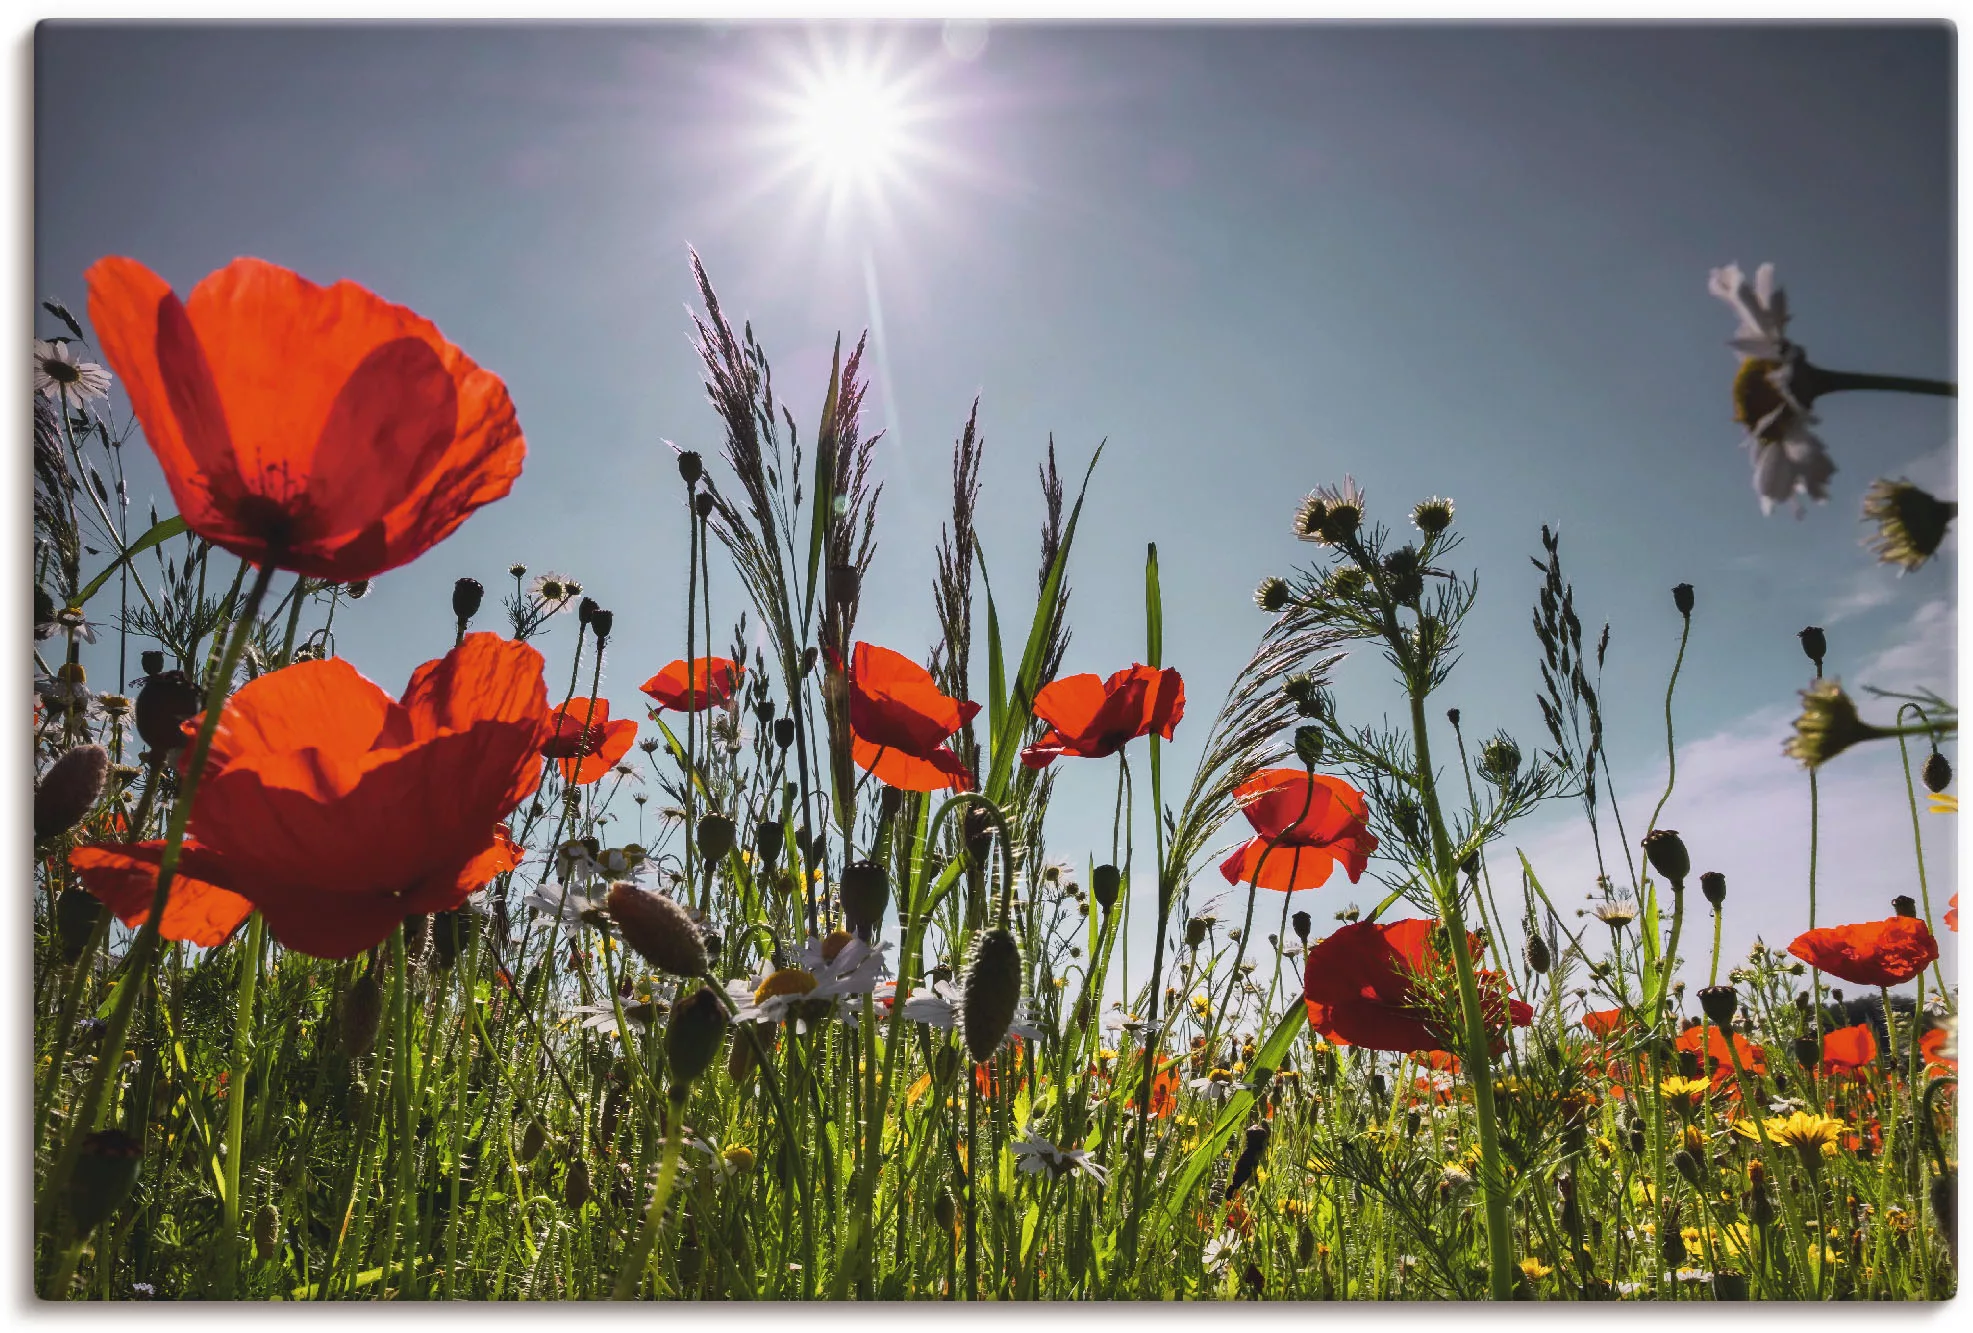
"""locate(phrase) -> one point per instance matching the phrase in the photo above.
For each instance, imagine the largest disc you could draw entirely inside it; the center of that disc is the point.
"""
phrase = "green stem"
(1918, 848)
(407, 1125)
(236, 1107)
(632, 1272)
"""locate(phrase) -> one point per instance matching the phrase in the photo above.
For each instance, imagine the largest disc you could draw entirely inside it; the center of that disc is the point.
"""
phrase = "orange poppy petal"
(125, 876)
(616, 740)
(939, 771)
(713, 681)
(1288, 868)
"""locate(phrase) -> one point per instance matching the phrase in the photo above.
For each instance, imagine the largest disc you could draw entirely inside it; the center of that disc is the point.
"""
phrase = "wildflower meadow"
(786, 983)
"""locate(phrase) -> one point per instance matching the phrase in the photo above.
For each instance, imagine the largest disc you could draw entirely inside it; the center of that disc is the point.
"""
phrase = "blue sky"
(1456, 261)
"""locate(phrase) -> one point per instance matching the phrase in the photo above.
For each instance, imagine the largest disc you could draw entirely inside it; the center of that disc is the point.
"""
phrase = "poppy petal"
(125, 876)
(941, 770)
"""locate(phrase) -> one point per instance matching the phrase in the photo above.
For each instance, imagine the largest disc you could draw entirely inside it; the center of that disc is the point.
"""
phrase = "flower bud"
(76, 913)
(1713, 885)
(151, 661)
(1300, 921)
(1272, 594)
(945, 1211)
(659, 929)
(1937, 773)
(533, 1139)
(784, 732)
(1945, 1204)
(1807, 1053)
(703, 505)
(105, 1173)
(467, 594)
(1308, 746)
(1104, 885)
(990, 993)
(1719, 1003)
(452, 932)
(715, 837)
(1195, 932)
(1536, 953)
(770, 836)
(266, 1231)
(167, 702)
(1682, 598)
(692, 1039)
(865, 893)
(1815, 645)
(845, 585)
(1904, 905)
(1665, 850)
(690, 466)
(1687, 1166)
(69, 790)
(362, 1014)
(1730, 1284)
(601, 623)
(575, 1184)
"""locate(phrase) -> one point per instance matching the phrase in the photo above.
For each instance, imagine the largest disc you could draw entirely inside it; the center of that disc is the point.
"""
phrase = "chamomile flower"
(57, 373)
(1033, 1155)
(556, 592)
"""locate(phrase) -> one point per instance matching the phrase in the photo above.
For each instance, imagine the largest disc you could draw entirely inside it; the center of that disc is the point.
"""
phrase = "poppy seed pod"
(865, 893)
(1937, 773)
(105, 1173)
(1730, 1284)
(845, 584)
(1815, 644)
(784, 732)
(1713, 885)
(658, 928)
(703, 506)
(467, 594)
(1720, 1003)
(1665, 850)
(151, 661)
(690, 466)
(770, 836)
(693, 1037)
(362, 1013)
(1904, 905)
(76, 913)
(167, 702)
(945, 1212)
(1682, 598)
(1807, 1053)
(991, 993)
(266, 1231)
(1104, 885)
(1301, 922)
(575, 1184)
(602, 623)
(1308, 745)
(70, 788)
(715, 837)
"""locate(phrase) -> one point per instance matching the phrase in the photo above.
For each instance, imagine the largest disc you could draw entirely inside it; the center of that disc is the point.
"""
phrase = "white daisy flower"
(1220, 1251)
(602, 1016)
(56, 370)
(556, 591)
(827, 971)
(1792, 464)
(1033, 1155)
(567, 902)
(1762, 308)
(1216, 1085)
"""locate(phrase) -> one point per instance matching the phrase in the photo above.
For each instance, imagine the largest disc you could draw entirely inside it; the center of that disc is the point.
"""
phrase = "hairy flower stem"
(1918, 848)
(1649, 932)
(632, 1272)
(236, 1106)
(144, 950)
(407, 1125)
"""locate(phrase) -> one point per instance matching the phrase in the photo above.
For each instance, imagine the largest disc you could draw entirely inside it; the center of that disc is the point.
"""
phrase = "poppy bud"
(945, 1212)
(691, 1259)
(784, 732)
(1249, 1160)
(1687, 1165)
(1469, 865)
(1406, 815)
(105, 1173)
(991, 993)
(1308, 746)
(1730, 1284)
(1377, 1086)
(451, 932)
(467, 594)
(1682, 598)
(1401, 572)
(362, 1014)
(770, 835)
(1300, 921)
(690, 466)
(532, 1140)
(1304, 1245)
(1937, 773)
(977, 828)
(575, 1184)
(151, 661)
(1815, 645)
(692, 1040)
(1713, 885)
(1665, 850)
(166, 703)
(1760, 1206)
(865, 892)
(1672, 1246)
(602, 623)
(845, 585)
(1636, 1136)
(1536, 953)
(1720, 1003)
(1104, 885)
(1904, 905)
(1807, 1053)
(658, 928)
(70, 788)
(1945, 1204)
(266, 1231)
(76, 913)
(715, 837)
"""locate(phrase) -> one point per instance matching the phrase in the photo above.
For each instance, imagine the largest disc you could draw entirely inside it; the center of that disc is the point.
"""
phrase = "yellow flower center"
(1755, 397)
(788, 981)
(833, 944)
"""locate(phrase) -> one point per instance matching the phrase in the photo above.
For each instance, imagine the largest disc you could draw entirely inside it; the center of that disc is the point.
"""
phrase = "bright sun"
(852, 126)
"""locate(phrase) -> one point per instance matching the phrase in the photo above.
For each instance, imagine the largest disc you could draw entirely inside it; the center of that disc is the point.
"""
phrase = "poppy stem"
(1918, 847)
(144, 950)
(631, 1275)
(236, 1106)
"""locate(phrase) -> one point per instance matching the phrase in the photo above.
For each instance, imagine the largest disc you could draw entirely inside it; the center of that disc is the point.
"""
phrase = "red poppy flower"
(1165, 1084)
(900, 722)
(1307, 845)
(318, 429)
(1847, 1050)
(1933, 1047)
(1604, 1023)
(1092, 718)
(1719, 1058)
(713, 681)
(1870, 953)
(1384, 986)
(584, 743)
(125, 878)
(1952, 915)
(337, 811)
